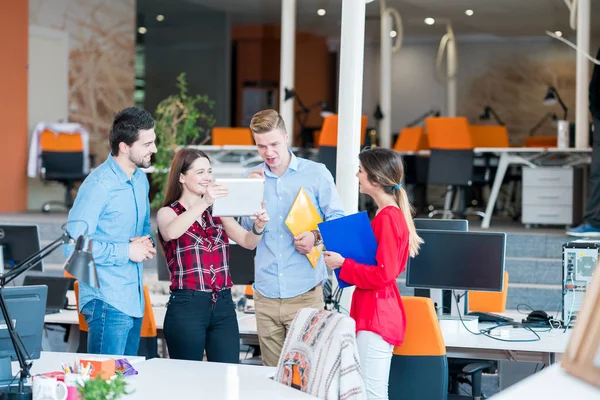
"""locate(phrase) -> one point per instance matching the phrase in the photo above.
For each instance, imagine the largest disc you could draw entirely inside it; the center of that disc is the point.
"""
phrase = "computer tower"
(580, 258)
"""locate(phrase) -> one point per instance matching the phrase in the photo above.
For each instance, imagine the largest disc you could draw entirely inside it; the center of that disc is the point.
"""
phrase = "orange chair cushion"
(61, 142)
(329, 131)
(232, 136)
(423, 335)
(448, 133)
(491, 302)
(489, 135)
(412, 139)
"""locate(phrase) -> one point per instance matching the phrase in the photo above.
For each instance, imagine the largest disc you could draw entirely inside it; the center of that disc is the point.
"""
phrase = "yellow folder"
(303, 217)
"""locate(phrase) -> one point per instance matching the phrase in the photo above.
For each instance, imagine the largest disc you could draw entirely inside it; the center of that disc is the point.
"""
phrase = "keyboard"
(489, 317)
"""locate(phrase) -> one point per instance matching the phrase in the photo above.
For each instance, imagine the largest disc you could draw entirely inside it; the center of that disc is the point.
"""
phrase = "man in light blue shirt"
(113, 203)
(285, 280)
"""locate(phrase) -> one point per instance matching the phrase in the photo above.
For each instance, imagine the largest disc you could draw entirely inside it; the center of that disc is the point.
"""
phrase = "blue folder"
(352, 237)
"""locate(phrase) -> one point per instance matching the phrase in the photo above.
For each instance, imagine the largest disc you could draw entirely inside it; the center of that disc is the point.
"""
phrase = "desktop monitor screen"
(19, 242)
(442, 224)
(27, 308)
(241, 264)
(458, 260)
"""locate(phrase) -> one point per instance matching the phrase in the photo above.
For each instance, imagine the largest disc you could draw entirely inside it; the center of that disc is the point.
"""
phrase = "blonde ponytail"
(414, 241)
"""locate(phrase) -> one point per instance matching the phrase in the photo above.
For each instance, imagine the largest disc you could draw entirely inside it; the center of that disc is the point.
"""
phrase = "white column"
(452, 66)
(385, 81)
(288, 58)
(582, 129)
(352, 45)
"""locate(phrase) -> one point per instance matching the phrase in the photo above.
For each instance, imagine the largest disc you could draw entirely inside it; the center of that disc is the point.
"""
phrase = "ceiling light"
(429, 21)
(321, 12)
(558, 33)
(142, 30)
(160, 18)
(469, 12)
(393, 34)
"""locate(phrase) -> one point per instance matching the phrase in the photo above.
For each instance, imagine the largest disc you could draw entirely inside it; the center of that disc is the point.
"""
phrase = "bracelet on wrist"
(256, 232)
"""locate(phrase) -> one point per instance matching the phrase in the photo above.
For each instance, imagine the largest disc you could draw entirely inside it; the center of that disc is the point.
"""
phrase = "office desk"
(526, 156)
(551, 383)
(462, 344)
(179, 379)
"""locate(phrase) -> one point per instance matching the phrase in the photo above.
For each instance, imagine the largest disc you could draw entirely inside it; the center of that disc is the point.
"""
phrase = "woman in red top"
(376, 303)
(200, 313)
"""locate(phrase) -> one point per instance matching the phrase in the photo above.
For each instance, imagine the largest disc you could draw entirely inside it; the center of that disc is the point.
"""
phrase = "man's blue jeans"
(110, 331)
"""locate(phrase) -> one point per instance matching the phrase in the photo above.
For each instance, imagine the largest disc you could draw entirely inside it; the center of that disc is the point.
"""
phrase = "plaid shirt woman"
(200, 313)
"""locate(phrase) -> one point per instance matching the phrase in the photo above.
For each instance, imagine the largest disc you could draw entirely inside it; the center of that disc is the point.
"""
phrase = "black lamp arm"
(422, 117)
(491, 110)
(33, 260)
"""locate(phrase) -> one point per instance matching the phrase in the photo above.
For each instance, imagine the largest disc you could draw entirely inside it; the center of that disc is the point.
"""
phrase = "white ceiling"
(491, 17)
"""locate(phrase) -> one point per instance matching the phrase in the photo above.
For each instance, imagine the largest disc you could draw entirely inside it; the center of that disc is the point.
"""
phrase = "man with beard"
(113, 202)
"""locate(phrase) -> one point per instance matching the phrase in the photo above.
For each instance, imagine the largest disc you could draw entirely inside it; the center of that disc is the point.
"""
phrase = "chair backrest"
(62, 153)
(489, 135)
(419, 368)
(412, 139)
(329, 131)
(448, 133)
(82, 324)
(148, 323)
(492, 302)
(231, 136)
(541, 141)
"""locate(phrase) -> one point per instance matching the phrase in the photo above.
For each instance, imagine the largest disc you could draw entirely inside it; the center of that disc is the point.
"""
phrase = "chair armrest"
(477, 367)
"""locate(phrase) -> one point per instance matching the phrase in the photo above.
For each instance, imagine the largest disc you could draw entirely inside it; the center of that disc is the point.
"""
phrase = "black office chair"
(62, 160)
(453, 168)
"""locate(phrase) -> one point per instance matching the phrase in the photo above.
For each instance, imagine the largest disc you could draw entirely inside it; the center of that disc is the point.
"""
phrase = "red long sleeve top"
(376, 303)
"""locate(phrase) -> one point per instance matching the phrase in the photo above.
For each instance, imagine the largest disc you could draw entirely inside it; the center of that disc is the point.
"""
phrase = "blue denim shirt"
(280, 271)
(116, 209)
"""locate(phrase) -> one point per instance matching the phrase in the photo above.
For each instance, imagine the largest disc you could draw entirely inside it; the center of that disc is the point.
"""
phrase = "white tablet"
(245, 197)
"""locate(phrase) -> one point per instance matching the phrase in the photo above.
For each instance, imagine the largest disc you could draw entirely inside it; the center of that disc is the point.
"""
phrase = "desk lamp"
(551, 98)
(488, 112)
(80, 265)
(304, 112)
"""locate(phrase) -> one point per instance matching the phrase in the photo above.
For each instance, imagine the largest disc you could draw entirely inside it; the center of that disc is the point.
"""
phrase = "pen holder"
(104, 367)
(73, 381)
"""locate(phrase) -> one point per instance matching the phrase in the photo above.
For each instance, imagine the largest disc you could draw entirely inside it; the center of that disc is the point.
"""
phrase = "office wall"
(101, 59)
(198, 44)
(258, 60)
(13, 105)
(510, 75)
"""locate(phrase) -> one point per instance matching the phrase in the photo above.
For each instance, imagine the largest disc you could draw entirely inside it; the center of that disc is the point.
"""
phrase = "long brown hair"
(385, 167)
(182, 162)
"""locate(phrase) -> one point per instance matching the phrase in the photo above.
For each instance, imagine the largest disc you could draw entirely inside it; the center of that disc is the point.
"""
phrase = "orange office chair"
(62, 160)
(231, 136)
(488, 302)
(414, 139)
(419, 368)
(327, 153)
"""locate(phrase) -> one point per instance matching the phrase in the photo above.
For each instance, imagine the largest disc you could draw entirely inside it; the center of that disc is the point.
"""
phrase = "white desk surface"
(551, 383)
(177, 379)
(50, 361)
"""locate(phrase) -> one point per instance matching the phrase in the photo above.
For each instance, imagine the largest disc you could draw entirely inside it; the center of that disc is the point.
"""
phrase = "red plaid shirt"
(199, 259)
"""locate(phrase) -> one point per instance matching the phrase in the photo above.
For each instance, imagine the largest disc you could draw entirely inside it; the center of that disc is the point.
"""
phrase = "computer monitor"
(241, 264)
(19, 242)
(26, 306)
(57, 290)
(458, 261)
(442, 224)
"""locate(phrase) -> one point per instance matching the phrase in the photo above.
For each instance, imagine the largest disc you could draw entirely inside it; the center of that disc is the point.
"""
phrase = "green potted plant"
(181, 119)
(100, 389)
